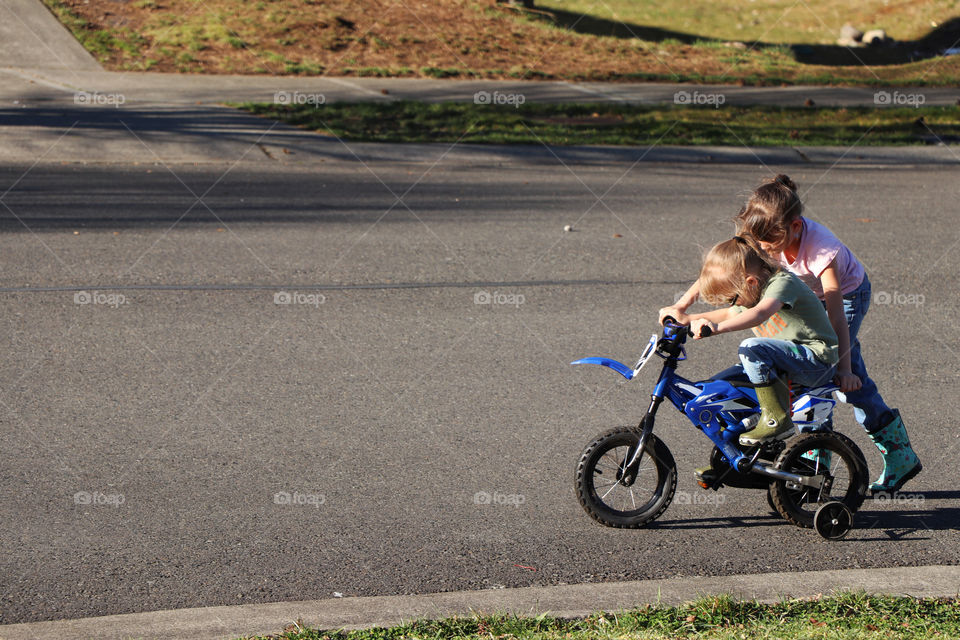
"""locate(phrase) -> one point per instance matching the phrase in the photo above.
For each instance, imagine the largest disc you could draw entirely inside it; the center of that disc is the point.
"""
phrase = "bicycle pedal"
(706, 478)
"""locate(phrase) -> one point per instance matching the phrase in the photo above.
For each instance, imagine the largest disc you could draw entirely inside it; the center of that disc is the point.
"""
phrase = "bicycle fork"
(628, 473)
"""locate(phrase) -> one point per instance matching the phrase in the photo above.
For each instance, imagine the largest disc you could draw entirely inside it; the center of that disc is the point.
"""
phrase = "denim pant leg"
(869, 409)
(766, 359)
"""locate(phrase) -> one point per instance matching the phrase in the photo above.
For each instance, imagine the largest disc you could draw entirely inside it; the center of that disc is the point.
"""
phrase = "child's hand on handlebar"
(696, 327)
(675, 313)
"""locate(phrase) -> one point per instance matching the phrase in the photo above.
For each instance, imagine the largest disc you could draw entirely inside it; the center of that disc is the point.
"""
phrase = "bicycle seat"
(735, 376)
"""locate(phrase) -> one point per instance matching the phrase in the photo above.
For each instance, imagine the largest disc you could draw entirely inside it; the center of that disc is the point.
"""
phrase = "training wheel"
(833, 520)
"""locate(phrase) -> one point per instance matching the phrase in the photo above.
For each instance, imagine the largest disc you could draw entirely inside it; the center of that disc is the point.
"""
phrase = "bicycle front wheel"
(606, 498)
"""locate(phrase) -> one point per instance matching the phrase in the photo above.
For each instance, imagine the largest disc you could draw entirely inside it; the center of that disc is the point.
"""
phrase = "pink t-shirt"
(818, 248)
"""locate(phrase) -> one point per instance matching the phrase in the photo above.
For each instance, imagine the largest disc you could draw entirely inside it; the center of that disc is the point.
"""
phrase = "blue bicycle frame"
(716, 407)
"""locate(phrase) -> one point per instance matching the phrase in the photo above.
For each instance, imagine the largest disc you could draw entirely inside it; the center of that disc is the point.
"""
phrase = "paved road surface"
(181, 409)
(158, 405)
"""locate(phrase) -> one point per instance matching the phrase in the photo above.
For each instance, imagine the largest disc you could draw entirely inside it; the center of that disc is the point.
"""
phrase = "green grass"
(845, 615)
(813, 21)
(605, 124)
(101, 43)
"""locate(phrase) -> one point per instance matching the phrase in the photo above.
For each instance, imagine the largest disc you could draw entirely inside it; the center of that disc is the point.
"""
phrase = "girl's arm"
(715, 316)
(727, 320)
(679, 309)
(833, 296)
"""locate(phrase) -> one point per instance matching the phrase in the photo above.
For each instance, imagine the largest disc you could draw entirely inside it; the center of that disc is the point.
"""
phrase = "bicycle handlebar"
(705, 332)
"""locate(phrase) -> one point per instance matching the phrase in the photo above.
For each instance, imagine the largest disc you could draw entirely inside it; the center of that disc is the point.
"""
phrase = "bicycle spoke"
(604, 496)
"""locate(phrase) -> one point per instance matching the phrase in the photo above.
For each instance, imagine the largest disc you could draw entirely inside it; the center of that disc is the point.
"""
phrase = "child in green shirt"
(793, 341)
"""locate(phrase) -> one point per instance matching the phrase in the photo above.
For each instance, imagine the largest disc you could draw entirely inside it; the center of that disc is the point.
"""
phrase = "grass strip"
(103, 43)
(606, 124)
(843, 615)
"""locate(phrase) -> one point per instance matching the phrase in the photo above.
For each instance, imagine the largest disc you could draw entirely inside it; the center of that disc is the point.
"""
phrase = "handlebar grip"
(705, 332)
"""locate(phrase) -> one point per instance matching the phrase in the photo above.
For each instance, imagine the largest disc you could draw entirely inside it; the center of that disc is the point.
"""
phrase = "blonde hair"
(771, 210)
(723, 277)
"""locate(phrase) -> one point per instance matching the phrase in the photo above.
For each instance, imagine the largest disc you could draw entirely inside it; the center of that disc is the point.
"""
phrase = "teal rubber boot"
(900, 462)
(820, 458)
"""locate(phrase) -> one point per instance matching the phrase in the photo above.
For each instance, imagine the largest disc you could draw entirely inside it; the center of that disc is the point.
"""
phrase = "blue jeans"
(766, 359)
(869, 408)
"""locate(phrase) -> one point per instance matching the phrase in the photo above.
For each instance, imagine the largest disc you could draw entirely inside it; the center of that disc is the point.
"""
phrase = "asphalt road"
(146, 431)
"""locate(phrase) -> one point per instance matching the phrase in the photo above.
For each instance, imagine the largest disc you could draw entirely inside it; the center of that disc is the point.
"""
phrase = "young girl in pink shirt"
(774, 216)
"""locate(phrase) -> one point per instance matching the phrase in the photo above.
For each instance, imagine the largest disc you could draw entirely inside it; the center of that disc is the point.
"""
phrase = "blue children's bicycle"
(626, 477)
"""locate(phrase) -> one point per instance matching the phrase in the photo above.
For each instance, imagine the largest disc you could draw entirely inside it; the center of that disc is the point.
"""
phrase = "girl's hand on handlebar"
(847, 381)
(675, 313)
(697, 328)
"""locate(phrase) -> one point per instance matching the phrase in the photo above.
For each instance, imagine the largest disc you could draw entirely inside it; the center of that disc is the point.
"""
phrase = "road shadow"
(593, 25)
(932, 44)
(213, 122)
(772, 520)
(896, 525)
(881, 514)
(875, 514)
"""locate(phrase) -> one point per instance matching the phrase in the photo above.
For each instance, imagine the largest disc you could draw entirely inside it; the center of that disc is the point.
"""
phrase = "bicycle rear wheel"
(820, 453)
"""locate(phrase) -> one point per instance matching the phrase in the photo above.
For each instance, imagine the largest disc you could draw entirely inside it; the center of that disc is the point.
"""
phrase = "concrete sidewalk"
(190, 89)
(32, 38)
(48, 121)
(563, 601)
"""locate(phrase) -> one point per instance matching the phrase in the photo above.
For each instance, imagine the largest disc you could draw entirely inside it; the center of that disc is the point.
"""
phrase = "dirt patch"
(439, 38)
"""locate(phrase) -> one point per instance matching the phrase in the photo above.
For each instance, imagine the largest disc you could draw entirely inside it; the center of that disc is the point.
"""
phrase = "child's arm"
(727, 320)
(833, 296)
(678, 310)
